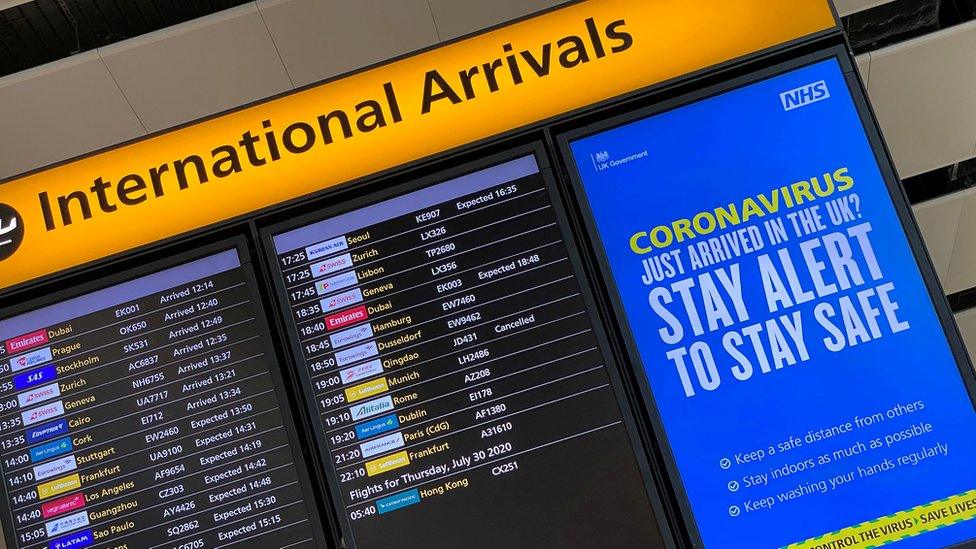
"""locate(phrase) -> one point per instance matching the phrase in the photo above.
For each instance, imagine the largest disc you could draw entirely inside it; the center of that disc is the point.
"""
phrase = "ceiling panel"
(938, 221)
(41, 31)
(61, 110)
(318, 39)
(456, 18)
(922, 92)
(962, 266)
(198, 68)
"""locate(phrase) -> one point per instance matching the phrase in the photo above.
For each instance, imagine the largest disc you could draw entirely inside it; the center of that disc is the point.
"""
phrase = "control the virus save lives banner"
(805, 384)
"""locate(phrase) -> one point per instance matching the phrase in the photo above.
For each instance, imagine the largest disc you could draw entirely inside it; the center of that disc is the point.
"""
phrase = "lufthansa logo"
(11, 231)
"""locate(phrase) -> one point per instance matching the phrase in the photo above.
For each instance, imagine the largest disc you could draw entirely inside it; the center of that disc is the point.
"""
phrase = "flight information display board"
(789, 341)
(461, 392)
(149, 414)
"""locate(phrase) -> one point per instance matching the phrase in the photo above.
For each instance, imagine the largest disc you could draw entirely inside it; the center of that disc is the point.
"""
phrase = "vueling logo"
(11, 231)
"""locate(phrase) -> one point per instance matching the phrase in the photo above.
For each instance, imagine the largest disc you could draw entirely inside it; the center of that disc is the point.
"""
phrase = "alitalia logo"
(371, 408)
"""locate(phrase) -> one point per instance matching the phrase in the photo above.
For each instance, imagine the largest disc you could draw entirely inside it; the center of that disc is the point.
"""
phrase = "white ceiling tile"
(962, 266)
(939, 220)
(922, 92)
(61, 110)
(864, 68)
(318, 39)
(847, 7)
(459, 17)
(967, 327)
(199, 68)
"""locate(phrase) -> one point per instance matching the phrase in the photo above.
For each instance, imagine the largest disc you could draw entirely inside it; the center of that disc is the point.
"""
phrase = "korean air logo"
(11, 231)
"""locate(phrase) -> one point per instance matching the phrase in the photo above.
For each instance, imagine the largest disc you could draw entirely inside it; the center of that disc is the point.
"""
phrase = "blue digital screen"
(804, 382)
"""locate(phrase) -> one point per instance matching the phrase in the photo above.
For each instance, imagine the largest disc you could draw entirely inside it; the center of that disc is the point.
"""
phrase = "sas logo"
(11, 231)
(37, 415)
(54, 468)
(332, 265)
(45, 432)
(371, 408)
(23, 362)
(74, 541)
(804, 95)
(377, 426)
(67, 524)
(39, 395)
(30, 379)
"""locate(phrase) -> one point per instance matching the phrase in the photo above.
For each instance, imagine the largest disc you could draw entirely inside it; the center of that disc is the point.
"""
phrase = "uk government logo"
(602, 160)
(11, 231)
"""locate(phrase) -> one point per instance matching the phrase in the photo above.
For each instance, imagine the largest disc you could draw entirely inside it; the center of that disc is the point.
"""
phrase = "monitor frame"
(611, 301)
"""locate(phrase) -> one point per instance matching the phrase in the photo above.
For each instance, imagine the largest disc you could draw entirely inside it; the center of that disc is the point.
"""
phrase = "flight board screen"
(806, 385)
(449, 358)
(147, 415)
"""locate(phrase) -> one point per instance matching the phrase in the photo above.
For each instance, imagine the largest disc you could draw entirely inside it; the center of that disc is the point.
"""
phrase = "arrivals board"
(765, 263)
(461, 392)
(148, 413)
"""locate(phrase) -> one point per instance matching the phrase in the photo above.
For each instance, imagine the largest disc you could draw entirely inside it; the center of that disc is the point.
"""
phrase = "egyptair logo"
(11, 231)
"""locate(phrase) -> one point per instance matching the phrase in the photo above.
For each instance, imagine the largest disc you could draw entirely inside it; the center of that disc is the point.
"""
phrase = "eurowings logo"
(804, 95)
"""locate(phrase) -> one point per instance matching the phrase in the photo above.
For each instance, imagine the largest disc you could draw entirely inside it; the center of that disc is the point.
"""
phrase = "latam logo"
(54, 468)
(39, 395)
(377, 426)
(352, 335)
(338, 301)
(381, 444)
(357, 353)
(42, 413)
(44, 432)
(74, 541)
(362, 371)
(27, 341)
(30, 379)
(346, 318)
(51, 449)
(332, 265)
(335, 283)
(322, 249)
(804, 95)
(23, 362)
(67, 524)
(63, 505)
(371, 408)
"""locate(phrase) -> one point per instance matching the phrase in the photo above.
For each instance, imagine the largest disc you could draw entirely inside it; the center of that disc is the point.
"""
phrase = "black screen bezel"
(398, 186)
(612, 303)
(163, 258)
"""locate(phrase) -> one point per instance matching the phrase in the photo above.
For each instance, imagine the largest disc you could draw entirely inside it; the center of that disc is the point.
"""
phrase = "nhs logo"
(804, 95)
